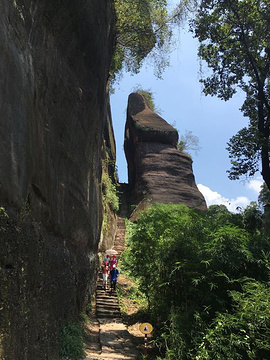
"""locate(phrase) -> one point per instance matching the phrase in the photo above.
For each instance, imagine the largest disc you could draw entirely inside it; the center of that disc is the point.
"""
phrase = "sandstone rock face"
(157, 171)
(108, 168)
(54, 61)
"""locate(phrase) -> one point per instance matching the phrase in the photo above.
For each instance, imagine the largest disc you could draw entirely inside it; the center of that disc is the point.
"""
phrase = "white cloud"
(255, 185)
(214, 198)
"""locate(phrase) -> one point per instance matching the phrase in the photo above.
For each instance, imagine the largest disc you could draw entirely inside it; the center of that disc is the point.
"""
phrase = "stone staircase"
(114, 339)
(119, 241)
(107, 306)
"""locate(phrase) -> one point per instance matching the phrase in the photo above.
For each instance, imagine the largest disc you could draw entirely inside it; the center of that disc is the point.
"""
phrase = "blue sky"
(181, 101)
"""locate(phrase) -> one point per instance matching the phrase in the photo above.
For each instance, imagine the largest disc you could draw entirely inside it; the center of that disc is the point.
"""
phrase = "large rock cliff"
(54, 59)
(157, 171)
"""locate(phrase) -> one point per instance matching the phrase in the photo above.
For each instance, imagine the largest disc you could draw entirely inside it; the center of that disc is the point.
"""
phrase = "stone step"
(109, 305)
(112, 307)
(113, 300)
(120, 235)
(118, 250)
(108, 310)
(118, 241)
(106, 295)
(108, 314)
(100, 295)
(109, 297)
(114, 339)
(100, 286)
(121, 226)
(120, 238)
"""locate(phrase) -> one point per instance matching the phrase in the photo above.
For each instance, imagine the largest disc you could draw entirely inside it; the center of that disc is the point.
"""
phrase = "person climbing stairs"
(115, 342)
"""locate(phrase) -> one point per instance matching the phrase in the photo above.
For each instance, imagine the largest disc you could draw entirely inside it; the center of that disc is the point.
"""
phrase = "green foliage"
(141, 25)
(129, 297)
(244, 152)
(3, 212)
(3, 215)
(188, 142)
(228, 248)
(219, 215)
(110, 200)
(264, 196)
(148, 95)
(144, 30)
(191, 265)
(171, 337)
(252, 217)
(109, 191)
(72, 341)
(135, 34)
(234, 42)
(162, 233)
(245, 332)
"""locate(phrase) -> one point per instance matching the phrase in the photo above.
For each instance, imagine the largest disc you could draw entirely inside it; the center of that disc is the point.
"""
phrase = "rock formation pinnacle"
(157, 171)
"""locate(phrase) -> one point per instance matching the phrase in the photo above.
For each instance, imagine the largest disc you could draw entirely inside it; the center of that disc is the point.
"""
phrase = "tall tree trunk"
(263, 127)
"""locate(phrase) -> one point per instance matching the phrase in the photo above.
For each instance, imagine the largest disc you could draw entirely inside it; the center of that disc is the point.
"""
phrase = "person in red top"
(105, 273)
(113, 262)
(106, 258)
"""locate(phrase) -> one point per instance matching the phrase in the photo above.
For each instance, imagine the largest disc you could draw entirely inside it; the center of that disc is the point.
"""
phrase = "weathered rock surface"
(157, 171)
(54, 61)
(108, 168)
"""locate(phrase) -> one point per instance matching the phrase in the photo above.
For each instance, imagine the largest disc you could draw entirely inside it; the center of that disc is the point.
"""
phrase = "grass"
(73, 336)
(132, 302)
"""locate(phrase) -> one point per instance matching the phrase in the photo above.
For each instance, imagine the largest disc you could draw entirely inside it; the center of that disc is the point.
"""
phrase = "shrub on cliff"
(109, 191)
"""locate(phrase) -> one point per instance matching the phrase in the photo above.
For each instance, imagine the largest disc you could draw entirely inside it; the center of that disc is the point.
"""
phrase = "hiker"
(113, 274)
(106, 259)
(113, 261)
(105, 273)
